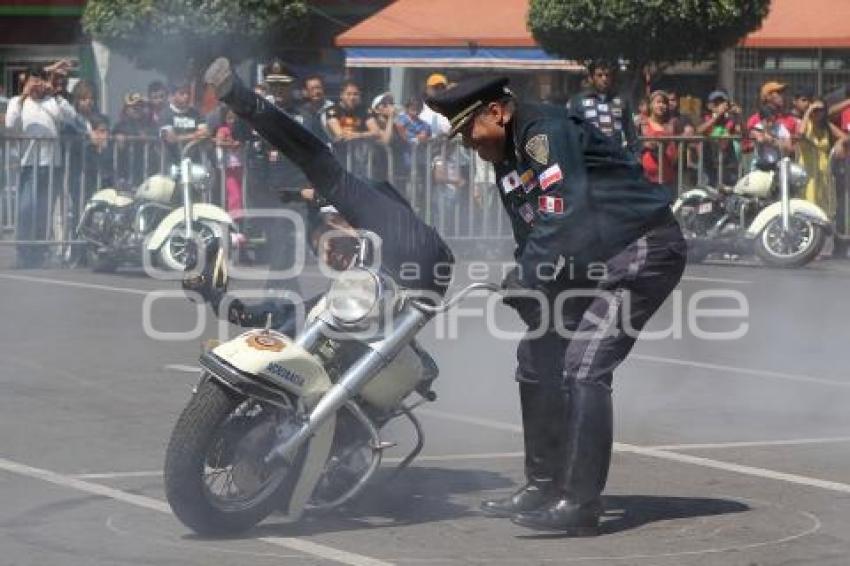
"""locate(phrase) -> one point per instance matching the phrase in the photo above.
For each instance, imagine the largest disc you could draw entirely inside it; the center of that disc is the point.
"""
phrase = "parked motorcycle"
(119, 227)
(295, 425)
(760, 215)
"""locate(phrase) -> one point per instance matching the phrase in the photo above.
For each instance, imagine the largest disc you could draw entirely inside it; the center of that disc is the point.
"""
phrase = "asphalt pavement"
(732, 429)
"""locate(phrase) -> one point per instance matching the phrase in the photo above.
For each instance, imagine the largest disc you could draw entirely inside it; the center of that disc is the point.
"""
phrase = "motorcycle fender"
(200, 211)
(277, 359)
(798, 206)
(693, 195)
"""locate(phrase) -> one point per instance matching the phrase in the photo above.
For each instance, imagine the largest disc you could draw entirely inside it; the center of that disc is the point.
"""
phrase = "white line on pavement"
(668, 455)
(752, 444)
(306, 547)
(182, 368)
(716, 280)
(740, 370)
(393, 460)
(77, 284)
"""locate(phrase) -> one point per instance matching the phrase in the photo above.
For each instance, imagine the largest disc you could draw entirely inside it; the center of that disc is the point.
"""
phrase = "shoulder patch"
(538, 148)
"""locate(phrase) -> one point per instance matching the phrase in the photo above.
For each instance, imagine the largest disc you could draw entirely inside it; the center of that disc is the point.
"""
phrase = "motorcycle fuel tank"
(111, 197)
(755, 184)
(157, 188)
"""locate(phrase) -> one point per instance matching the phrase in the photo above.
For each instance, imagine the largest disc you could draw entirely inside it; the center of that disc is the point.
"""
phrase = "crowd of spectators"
(382, 139)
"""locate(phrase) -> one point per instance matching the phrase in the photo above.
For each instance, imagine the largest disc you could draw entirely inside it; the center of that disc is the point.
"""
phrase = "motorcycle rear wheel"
(200, 441)
(806, 242)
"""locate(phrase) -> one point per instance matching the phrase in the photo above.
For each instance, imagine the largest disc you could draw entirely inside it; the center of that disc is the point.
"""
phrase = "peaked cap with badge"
(460, 102)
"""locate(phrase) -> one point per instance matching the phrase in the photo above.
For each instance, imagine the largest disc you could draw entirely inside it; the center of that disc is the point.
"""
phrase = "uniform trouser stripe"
(601, 332)
(614, 304)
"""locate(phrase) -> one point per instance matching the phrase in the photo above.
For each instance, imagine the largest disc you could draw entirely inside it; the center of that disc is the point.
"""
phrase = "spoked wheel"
(174, 250)
(797, 247)
(216, 477)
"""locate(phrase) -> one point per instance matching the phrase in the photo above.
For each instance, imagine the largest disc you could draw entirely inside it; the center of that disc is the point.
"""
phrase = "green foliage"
(174, 35)
(645, 31)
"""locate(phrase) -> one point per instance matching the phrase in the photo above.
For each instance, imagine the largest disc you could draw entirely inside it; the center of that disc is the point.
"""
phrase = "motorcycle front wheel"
(216, 479)
(799, 246)
(172, 255)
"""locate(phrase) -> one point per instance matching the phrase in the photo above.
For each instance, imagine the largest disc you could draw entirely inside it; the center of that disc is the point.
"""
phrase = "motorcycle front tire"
(799, 259)
(184, 466)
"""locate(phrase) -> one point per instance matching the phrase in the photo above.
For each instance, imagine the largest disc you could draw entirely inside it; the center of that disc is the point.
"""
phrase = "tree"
(180, 37)
(649, 34)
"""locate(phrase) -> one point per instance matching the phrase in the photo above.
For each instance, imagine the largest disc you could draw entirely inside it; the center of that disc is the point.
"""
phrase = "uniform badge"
(617, 112)
(590, 113)
(617, 100)
(538, 148)
(602, 107)
(588, 102)
(527, 213)
(552, 205)
(529, 181)
(511, 182)
(605, 119)
(550, 176)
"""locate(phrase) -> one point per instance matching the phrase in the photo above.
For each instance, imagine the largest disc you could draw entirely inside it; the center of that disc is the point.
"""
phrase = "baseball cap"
(437, 79)
(771, 86)
(134, 98)
(717, 95)
(379, 99)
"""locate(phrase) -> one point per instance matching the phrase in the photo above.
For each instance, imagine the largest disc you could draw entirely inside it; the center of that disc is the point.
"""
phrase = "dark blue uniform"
(584, 204)
(584, 219)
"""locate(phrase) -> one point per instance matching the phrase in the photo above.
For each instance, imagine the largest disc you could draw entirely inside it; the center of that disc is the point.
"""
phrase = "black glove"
(526, 306)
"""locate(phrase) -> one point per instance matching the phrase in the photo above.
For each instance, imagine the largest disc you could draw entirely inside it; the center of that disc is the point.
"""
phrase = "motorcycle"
(119, 227)
(760, 215)
(295, 425)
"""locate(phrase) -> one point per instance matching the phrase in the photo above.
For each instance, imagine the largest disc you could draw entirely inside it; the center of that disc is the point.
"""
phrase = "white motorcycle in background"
(760, 215)
(120, 227)
(295, 425)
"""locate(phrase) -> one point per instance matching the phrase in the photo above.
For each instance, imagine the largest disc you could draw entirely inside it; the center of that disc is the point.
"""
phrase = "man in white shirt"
(439, 124)
(37, 115)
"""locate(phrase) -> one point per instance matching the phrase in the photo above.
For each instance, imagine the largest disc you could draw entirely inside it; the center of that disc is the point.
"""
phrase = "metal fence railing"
(45, 183)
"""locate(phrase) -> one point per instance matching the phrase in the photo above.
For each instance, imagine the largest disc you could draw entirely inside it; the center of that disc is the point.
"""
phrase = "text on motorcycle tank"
(266, 342)
(283, 373)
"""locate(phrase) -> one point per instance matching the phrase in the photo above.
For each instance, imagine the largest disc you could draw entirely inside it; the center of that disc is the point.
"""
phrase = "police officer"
(586, 222)
(274, 180)
(600, 105)
(411, 251)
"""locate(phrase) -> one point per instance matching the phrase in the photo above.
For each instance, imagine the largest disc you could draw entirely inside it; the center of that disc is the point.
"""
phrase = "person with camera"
(722, 120)
(38, 115)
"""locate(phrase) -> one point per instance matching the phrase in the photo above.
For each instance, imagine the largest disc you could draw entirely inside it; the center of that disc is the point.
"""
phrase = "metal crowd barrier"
(447, 184)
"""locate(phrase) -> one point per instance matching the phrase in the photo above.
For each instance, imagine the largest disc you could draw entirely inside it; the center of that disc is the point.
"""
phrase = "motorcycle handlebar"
(459, 296)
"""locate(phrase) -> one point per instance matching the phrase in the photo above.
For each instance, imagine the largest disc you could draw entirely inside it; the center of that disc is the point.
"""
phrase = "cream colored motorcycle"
(761, 214)
(120, 227)
(295, 425)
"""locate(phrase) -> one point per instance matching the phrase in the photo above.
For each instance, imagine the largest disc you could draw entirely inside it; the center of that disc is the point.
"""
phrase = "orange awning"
(804, 24)
(443, 23)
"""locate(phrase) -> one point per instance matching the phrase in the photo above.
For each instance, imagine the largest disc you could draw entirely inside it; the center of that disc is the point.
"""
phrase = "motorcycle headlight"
(354, 295)
(797, 176)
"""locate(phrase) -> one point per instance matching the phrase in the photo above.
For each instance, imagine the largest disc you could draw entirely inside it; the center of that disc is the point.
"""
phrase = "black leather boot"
(540, 421)
(589, 439)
